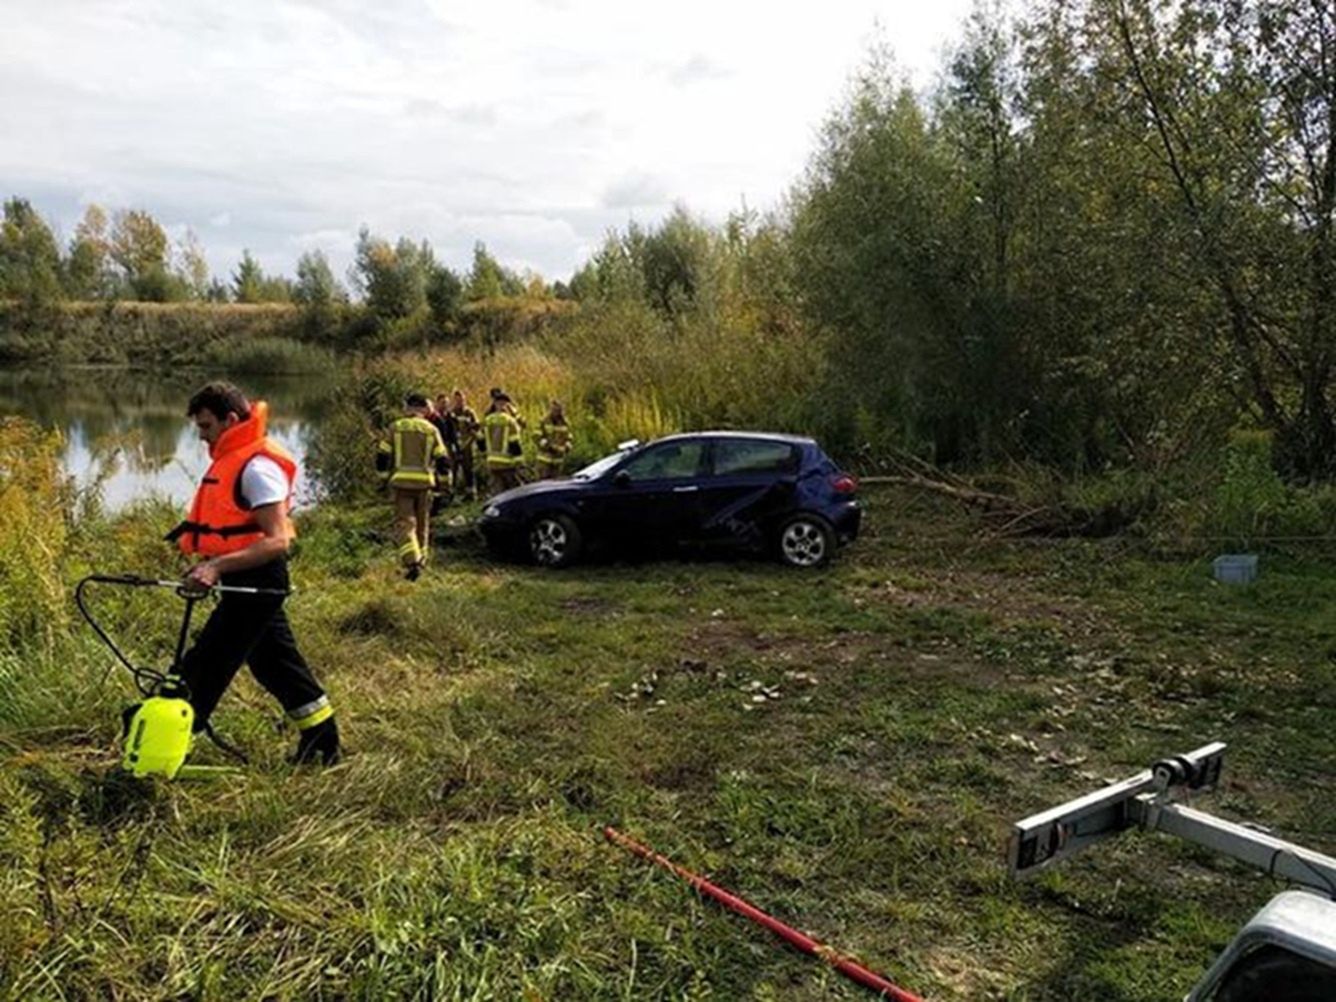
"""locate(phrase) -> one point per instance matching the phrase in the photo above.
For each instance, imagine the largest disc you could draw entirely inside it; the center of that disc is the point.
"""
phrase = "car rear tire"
(554, 541)
(806, 541)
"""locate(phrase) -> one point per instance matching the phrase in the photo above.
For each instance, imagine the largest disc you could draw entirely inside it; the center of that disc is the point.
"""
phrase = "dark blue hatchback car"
(762, 492)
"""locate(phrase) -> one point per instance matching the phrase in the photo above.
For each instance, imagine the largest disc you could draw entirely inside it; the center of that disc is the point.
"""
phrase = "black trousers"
(252, 629)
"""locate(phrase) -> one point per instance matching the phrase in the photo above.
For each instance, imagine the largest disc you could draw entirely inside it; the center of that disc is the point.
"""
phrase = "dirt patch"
(586, 605)
(1006, 597)
(376, 617)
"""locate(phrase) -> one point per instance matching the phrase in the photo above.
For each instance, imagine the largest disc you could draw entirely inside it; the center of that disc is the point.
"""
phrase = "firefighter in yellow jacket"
(501, 433)
(467, 438)
(554, 442)
(413, 458)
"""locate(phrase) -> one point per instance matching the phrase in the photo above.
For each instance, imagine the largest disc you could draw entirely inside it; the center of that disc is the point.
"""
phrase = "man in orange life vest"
(239, 524)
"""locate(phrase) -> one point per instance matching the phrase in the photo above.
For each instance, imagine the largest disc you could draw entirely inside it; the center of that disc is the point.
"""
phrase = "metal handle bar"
(138, 582)
(147, 678)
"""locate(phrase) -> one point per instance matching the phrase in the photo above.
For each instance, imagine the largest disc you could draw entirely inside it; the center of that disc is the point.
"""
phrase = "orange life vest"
(219, 521)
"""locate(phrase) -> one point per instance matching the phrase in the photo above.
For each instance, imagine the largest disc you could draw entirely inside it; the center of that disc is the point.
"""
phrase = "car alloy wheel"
(554, 540)
(804, 543)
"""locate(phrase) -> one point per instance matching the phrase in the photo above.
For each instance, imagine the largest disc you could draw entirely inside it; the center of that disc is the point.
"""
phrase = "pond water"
(127, 430)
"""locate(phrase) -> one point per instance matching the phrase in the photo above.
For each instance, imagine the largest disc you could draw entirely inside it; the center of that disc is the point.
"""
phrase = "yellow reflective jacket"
(501, 433)
(554, 441)
(466, 426)
(415, 446)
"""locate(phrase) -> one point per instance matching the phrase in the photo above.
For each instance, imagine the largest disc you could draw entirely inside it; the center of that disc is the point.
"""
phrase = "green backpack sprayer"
(157, 732)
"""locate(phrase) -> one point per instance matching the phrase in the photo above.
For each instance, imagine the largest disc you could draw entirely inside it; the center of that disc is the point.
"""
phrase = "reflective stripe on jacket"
(219, 520)
(501, 433)
(414, 447)
(554, 441)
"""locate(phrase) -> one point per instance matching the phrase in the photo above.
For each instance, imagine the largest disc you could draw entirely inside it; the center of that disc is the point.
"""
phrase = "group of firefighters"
(433, 445)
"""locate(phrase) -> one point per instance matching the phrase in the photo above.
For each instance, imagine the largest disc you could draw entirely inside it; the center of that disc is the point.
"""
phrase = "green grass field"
(846, 749)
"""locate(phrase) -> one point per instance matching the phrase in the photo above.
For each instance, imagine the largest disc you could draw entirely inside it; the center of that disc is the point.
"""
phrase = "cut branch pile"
(1008, 514)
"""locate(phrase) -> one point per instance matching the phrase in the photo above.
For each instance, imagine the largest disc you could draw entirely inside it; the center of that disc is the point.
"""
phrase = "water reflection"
(128, 430)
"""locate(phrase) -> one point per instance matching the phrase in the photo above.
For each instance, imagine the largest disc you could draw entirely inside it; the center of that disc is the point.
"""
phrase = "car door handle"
(686, 490)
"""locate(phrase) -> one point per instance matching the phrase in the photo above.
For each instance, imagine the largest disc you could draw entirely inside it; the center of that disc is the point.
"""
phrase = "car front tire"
(554, 541)
(806, 541)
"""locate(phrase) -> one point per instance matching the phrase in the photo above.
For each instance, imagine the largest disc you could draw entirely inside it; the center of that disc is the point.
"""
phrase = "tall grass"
(34, 502)
(52, 669)
(622, 370)
(270, 355)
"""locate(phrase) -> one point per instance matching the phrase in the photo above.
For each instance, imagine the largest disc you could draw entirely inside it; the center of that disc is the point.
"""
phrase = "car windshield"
(599, 468)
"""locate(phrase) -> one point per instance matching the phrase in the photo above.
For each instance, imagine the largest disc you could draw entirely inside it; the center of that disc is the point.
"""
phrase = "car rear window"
(744, 455)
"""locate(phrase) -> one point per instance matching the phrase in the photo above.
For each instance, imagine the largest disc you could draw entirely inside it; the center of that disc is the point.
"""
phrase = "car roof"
(760, 436)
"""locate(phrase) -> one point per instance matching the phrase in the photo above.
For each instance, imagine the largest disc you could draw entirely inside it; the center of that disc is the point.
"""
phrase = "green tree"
(29, 256)
(877, 263)
(489, 279)
(391, 278)
(445, 292)
(316, 285)
(613, 273)
(248, 280)
(1235, 104)
(87, 271)
(139, 249)
(676, 262)
(276, 289)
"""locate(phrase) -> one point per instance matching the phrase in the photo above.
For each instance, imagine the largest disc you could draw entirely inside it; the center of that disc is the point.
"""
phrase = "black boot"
(318, 745)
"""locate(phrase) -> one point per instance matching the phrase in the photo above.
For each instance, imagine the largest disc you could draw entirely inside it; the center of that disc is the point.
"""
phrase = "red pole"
(847, 966)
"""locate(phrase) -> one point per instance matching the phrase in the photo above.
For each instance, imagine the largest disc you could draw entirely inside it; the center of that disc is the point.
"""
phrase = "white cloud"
(533, 125)
(636, 190)
(696, 69)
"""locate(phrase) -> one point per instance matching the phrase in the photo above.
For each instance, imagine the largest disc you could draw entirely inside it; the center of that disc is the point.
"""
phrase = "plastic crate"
(1235, 568)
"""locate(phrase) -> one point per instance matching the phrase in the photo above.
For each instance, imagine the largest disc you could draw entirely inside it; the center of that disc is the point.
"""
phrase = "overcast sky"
(532, 125)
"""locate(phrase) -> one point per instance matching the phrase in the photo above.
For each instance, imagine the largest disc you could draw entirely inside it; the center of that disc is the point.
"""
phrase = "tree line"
(1104, 239)
(128, 255)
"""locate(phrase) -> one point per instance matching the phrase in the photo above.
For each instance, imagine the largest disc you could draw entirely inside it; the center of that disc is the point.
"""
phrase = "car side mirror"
(621, 479)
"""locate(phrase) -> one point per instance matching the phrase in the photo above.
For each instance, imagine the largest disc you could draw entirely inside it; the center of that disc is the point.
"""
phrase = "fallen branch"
(1007, 515)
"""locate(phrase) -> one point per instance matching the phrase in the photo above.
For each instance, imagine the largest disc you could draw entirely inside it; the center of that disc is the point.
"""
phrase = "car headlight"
(491, 511)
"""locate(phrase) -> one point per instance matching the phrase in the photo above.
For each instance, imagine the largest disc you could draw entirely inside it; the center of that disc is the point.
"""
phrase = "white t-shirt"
(263, 482)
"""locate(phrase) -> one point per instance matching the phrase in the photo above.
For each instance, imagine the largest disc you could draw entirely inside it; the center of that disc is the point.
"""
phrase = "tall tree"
(316, 285)
(391, 278)
(676, 260)
(139, 249)
(445, 291)
(87, 270)
(192, 268)
(29, 256)
(488, 278)
(1240, 103)
(248, 280)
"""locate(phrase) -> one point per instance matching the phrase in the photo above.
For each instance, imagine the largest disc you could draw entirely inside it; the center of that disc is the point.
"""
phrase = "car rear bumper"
(846, 519)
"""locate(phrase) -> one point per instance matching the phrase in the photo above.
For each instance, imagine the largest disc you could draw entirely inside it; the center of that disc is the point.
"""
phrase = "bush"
(1233, 499)
(1250, 500)
(341, 457)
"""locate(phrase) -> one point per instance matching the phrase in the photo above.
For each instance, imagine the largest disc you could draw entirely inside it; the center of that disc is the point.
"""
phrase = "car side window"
(670, 461)
(742, 455)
